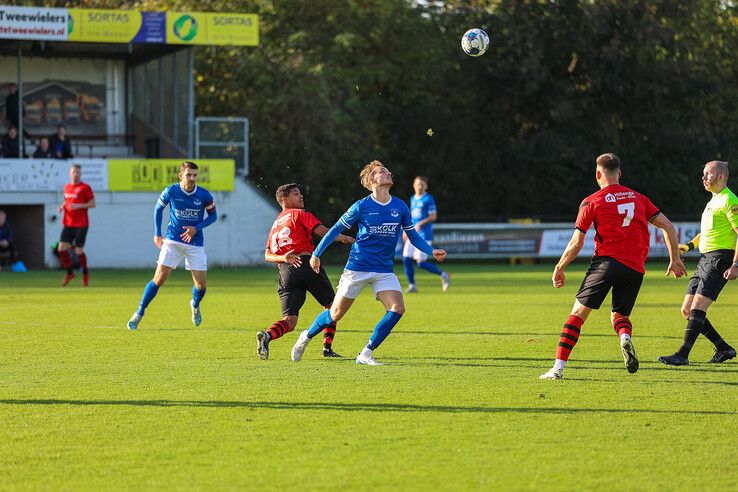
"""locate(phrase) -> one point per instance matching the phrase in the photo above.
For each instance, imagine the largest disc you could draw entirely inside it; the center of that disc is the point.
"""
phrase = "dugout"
(121, 82)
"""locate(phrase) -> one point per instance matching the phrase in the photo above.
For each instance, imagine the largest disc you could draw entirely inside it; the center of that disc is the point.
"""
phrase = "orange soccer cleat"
(68, 278)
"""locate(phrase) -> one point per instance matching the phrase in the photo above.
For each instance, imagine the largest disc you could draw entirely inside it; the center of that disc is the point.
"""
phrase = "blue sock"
(321, 321)
(197, 295)
(383, 329)
(430, 267)
(149, 293)
(409, 269)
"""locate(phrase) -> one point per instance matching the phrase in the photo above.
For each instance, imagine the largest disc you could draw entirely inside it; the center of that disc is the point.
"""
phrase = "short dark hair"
(285, 190)
(424, 179)
(609, 162)
(187, 165)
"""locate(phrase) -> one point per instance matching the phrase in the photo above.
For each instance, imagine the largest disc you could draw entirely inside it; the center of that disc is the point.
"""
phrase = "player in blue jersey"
(184, 240)
(423, 212)
(381, 218)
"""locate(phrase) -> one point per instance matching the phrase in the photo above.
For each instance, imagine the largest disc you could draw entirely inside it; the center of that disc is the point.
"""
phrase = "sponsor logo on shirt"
(386, 229)
(609, 198)
(187, 214)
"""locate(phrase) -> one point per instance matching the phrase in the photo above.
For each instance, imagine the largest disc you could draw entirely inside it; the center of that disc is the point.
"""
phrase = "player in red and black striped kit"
(78, 197)
(620, 217)
(290, 245)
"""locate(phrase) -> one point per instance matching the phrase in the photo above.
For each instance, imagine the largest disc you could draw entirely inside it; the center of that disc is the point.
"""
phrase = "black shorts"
(708, 279)
(294, 283)
(74, 235)
(605, 273)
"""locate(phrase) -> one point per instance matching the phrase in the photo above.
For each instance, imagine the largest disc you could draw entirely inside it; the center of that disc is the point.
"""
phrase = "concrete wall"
(121, 227)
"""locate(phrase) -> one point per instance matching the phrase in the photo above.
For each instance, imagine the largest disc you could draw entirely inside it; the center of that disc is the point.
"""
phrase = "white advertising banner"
(33, 23)
(50, 174)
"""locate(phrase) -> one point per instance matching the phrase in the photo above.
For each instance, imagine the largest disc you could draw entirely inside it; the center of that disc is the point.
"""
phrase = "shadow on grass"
(673, 381)
(400, 331)
(355, 407)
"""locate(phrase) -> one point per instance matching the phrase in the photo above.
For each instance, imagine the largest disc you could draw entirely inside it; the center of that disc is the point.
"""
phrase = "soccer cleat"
(134, 321)
(629, 355)
(722, 355)
(674, 360)
(300, 346)
(329, 353)
(445, 281)
(68, 278)
(196, 314)
(262, 345)
(86, 279)
(411, 289)
(367, 360)
(553, 374)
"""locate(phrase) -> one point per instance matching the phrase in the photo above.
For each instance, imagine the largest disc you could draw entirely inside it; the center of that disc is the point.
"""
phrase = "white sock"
(367, 352)
(624, 336)
(559, 364)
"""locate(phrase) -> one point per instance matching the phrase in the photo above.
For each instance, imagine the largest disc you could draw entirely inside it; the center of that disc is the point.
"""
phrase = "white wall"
(121, 227)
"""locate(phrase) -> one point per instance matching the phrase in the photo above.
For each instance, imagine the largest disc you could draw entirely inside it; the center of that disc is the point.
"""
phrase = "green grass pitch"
(87, 405)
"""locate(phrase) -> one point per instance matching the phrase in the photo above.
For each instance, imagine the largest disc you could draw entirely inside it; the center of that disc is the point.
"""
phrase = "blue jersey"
(421, 208)
(379, 227)
(185, 209)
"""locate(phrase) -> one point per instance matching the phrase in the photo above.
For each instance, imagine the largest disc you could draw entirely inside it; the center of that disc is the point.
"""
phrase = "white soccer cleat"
(196, 314)
(300, 345)
(553, 374)
(367, 360)
(629, 355)
(445, 281)
(411, 289)
(134, 321)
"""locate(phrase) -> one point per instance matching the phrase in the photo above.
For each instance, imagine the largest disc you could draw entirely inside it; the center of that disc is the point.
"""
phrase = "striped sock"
(623, 326)
(278, 329)
(66, 261)
(83, 262)
(328, 333)
(569, 337)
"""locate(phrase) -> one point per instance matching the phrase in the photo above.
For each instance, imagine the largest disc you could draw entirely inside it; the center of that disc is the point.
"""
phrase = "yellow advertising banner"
(108, 26)
(212, 28)
(156, 174)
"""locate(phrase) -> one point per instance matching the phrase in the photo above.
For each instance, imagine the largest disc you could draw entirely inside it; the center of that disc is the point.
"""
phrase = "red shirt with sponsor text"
(620, 217)
(76, 193)
(292, 230)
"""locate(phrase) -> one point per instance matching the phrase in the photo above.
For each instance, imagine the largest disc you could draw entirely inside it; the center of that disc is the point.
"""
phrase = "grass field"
(85, 404)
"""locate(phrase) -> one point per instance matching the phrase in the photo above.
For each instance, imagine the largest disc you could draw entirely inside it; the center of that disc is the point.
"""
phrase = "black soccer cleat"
(722, 355)
(262, 345)
(331, 354)
(674, 360)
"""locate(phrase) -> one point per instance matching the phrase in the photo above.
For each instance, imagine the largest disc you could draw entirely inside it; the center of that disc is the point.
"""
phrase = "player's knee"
(397, 308)
(61, 247)
(79, 251)
(685, 311)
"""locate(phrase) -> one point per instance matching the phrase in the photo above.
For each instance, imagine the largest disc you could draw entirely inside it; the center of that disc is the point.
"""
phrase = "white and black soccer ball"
(475, 42)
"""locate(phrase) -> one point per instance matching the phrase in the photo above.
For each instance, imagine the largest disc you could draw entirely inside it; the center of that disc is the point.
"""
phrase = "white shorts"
(410, 251)
(172, 252)
(352, 283)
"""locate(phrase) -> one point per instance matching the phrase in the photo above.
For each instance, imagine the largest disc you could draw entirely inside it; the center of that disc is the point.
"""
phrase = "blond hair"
(366, 174)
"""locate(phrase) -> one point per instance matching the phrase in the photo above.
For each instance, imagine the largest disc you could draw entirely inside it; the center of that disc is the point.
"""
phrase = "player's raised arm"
(675, 262)
(570, 253)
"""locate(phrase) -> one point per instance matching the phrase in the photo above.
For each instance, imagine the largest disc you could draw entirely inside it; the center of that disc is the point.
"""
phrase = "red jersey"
(620, 217)
(76, 193)
(292, 230)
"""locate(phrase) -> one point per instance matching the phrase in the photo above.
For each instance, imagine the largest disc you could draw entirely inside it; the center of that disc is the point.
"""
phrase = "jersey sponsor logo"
(610, 198)
(386, 229)
(187, 214)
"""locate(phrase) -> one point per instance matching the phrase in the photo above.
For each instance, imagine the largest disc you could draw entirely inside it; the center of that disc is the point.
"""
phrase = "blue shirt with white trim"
(421, 208)
(185, 209)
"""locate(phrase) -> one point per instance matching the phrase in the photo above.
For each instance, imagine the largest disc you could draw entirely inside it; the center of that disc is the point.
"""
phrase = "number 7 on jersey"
(629, 210)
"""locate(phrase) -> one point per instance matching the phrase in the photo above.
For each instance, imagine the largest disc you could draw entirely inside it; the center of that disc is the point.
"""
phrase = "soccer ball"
(475, 42)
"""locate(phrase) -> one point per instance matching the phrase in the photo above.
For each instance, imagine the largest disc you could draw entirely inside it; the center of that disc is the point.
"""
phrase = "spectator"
(11, 105)
(7, 247)
(43, 151)
(59, 143)
(9, 144)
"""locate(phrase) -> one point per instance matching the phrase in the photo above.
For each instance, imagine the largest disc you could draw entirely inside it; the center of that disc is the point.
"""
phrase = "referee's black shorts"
(295, 283)
(607, 273)
(708, 279)
(74, 235)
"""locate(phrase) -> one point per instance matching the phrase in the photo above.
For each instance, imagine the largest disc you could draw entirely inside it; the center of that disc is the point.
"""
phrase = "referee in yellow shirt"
(718, 264)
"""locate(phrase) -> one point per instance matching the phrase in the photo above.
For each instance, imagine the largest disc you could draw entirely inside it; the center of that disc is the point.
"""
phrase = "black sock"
(695, 325)
(711, 333)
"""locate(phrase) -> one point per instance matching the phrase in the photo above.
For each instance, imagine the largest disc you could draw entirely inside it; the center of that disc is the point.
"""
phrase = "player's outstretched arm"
(322, 230)
(570, 253)
(289, 257)
(675, 262)
(419, 242)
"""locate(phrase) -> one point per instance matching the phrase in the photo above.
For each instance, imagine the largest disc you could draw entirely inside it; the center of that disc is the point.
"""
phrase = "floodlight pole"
(21, 138)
